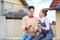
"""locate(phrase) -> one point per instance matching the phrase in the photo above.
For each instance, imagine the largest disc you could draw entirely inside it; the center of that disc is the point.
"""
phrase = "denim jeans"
(27, 37)
(48, 36)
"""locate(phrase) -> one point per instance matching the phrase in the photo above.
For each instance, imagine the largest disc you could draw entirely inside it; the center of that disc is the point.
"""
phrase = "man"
(29, 23)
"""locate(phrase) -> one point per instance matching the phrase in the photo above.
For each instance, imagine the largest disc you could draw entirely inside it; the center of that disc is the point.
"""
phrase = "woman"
(44, 25)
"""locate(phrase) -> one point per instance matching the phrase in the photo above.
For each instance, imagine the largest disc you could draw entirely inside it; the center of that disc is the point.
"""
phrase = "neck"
(31, 16)
(42, 17)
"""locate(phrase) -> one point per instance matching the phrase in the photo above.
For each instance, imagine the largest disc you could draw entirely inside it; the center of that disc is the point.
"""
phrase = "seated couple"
(33, 25)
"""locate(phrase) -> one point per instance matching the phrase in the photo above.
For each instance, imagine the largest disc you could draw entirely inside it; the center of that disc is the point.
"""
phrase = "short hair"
(31, 7)
(45, 11)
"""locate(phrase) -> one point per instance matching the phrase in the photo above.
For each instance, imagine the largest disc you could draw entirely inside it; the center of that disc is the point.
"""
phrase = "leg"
(49, 36)
(39, 37)
(30, 37)
(24, 37)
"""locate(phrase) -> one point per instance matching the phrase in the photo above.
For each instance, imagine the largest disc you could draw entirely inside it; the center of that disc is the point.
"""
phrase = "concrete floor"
(58, 38)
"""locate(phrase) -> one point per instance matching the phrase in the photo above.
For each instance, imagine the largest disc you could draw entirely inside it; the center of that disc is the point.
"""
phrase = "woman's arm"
(42, 28)
(47, 25)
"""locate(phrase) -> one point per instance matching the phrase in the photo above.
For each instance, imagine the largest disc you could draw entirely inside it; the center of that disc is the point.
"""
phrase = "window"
(7, 7)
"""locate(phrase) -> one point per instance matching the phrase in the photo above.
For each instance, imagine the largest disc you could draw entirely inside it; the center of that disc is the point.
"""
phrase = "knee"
(28, 38)
(48, 38)
(37, 38)
(24, 37)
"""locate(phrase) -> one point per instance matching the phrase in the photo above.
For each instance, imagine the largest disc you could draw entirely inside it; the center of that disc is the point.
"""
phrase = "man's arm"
(25, 27)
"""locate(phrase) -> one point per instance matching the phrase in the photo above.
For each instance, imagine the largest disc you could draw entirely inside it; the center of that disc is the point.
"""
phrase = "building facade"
(11, 27)
(12, 5)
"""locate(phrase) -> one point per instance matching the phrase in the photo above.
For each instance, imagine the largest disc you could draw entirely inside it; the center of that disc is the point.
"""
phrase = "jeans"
(48, 36)
(27, 37)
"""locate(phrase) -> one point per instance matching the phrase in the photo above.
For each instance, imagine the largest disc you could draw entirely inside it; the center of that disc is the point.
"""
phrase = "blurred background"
(12, 12)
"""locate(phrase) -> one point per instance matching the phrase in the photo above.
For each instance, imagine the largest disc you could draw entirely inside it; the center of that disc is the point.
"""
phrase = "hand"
(36, 30)
(28, 27)
(39, 26)
(42, 28)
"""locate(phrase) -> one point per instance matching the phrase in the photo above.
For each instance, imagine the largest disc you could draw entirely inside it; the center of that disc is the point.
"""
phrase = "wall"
(3, 27)
(58, 23)
(11, 27)
(15, 1)
(14, 28)
(0, 7)
(54, 29)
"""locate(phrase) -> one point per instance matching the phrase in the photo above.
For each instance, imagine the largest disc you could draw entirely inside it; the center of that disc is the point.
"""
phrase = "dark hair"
(45, 11)
(31, 7)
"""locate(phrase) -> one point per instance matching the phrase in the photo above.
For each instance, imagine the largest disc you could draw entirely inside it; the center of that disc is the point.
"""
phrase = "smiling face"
(31, 12)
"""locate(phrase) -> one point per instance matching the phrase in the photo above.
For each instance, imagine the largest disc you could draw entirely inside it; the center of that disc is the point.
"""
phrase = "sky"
(40, 4)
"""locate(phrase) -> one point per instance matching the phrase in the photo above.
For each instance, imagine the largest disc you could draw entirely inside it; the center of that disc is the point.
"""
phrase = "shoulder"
(36, 18)
(25, 17)
(46, 20)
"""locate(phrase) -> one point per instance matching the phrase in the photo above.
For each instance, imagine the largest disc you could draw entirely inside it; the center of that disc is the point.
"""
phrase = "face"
(41, 14)
(31, 12)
